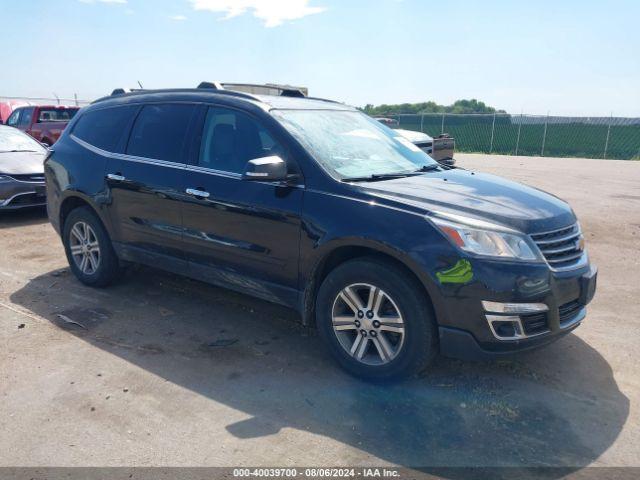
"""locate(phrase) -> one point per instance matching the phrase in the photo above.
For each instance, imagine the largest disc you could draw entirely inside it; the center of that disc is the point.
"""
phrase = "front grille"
(35, 177)
(535, 323)
(568, 311)
(562, 248)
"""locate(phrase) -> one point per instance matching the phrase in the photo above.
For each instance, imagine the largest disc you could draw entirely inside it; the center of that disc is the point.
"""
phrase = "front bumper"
(466, 329)
(15, 194)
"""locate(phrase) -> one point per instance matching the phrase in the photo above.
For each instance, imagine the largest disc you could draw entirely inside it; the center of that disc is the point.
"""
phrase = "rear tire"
(89, 250)
(376, 320)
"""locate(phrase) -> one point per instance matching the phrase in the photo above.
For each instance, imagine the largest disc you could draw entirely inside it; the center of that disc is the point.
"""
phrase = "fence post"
(606, 142)
(442, 126)
(422, 123)
(518, 139)
(544, 136)
(493, 129)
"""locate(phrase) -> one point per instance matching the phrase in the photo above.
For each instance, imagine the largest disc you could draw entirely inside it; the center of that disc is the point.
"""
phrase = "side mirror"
(266, 169)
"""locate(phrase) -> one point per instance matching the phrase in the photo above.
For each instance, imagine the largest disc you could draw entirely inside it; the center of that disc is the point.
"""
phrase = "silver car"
(21, 170)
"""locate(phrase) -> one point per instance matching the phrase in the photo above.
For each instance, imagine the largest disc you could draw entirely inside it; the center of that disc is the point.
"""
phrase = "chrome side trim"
(211, 171)
(160, 163)
(34, 182)
(7, 201)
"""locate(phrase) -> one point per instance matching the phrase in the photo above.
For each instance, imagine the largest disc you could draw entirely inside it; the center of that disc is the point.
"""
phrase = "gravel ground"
(163, 371)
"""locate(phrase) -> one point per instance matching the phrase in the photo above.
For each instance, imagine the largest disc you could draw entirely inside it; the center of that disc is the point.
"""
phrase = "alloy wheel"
(368, 324)
(84, 247)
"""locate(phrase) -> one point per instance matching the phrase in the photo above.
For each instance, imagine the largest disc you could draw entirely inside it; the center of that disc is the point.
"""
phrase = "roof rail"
(213, 85)
(258, 88)
(138, 91)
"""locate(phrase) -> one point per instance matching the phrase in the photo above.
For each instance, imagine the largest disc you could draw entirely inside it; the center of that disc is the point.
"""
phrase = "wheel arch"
(74, 201)
(339, 253)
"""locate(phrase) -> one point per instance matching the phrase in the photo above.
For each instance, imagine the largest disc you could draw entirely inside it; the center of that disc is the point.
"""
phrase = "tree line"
(459, 106)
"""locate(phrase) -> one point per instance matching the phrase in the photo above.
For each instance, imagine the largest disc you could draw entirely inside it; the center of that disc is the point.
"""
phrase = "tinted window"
(104, 128)
(160, 131)
(230, 139)
(25, 118)
(13, 119)
(56, 114)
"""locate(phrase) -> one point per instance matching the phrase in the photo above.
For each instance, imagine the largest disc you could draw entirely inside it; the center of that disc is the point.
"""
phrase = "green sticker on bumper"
(461, 272)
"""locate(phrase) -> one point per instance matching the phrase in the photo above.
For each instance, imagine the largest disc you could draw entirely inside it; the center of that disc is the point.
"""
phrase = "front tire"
(376, 320)
(89, 250)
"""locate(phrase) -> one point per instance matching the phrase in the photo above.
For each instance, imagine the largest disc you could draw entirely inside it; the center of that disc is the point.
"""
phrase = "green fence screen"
(588, 137)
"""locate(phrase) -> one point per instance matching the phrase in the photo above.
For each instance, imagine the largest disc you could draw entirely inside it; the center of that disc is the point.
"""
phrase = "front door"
(239, 233)
(146, 186)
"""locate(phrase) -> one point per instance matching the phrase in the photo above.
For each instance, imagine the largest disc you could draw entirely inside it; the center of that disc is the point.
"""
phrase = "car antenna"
(141, 87)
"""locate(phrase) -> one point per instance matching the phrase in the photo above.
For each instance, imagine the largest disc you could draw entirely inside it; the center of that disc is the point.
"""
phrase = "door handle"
(116, 177)
(197, 193)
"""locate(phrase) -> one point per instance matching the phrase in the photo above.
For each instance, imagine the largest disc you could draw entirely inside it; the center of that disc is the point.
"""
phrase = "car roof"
(267, 102)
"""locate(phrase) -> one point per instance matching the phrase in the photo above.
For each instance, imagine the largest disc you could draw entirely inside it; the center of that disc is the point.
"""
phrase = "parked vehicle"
(315, 205)
(440, 149)
(7, 108)
(389, 122)
(21, 170)
(44, 123)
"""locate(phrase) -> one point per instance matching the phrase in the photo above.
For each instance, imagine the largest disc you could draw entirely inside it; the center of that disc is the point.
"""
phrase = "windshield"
(12, 139)
(352, 144)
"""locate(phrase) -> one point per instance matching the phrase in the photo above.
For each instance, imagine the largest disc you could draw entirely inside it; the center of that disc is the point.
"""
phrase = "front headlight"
(488, 242)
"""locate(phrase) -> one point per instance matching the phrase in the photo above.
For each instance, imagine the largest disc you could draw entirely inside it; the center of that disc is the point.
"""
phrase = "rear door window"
(105, 128)
(160, 131)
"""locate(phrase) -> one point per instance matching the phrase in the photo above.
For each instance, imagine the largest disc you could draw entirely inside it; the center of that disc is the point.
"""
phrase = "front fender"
(332, 222)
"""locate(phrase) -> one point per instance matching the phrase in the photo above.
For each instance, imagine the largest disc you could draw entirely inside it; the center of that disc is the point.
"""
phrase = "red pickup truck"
(45, 123)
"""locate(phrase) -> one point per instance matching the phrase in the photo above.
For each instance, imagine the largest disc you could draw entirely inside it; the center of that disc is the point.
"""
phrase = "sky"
(563, 57)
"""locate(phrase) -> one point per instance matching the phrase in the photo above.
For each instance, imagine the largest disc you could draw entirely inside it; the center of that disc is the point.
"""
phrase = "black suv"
(312, 204)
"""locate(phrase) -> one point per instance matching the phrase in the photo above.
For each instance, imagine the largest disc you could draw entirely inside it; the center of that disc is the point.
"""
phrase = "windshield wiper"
(429, 168)
(379, 176)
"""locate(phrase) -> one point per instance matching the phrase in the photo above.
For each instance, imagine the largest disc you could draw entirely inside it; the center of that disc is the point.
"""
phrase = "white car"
(440, 149)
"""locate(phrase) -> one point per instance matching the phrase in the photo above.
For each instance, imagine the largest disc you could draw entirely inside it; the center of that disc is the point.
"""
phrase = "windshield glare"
(12, 139)
(352, 144)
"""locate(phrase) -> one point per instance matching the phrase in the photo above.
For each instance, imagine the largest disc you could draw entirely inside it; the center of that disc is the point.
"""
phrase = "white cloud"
(272, 12)
(178, 18)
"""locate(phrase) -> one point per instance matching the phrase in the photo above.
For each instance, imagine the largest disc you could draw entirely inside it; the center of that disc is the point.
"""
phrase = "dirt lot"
(166, 371)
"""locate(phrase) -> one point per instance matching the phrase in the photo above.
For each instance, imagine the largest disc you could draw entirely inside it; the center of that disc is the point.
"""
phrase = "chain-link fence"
(588, 137)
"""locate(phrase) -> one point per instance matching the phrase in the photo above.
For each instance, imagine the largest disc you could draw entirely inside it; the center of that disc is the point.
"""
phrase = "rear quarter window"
(106, 127)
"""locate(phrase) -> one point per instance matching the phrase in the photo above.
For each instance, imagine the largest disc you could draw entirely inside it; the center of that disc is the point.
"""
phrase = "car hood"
(478, 195)
(412, 136)
(22, 163)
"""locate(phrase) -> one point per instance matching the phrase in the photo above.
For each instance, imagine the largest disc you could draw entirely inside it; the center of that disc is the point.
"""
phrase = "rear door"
(146, 186)
(242, 234)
